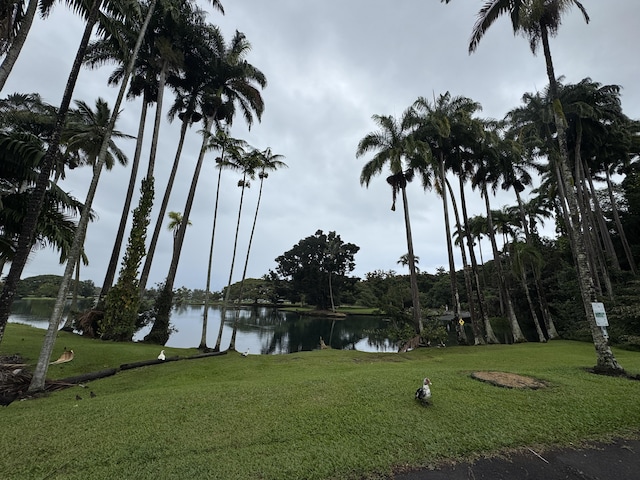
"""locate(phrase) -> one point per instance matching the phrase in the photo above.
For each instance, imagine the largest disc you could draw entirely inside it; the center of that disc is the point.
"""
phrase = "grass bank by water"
(312, 415)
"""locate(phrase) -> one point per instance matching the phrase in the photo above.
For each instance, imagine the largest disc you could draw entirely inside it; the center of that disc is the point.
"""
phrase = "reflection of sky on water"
(260, 330)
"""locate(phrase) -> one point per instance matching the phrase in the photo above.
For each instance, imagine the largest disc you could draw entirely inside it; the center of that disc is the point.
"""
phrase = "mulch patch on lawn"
(509, 380)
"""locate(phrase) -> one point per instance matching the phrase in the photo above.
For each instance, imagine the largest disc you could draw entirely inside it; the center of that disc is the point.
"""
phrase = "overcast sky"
(330, 66)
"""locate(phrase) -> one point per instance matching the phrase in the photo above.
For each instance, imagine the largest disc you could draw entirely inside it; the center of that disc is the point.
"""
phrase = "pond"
(261, 330)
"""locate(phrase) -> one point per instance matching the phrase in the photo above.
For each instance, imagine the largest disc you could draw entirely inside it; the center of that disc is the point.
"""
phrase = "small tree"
(123, 300)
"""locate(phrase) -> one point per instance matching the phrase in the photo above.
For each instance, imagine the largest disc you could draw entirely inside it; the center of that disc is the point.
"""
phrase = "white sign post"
(601, 317)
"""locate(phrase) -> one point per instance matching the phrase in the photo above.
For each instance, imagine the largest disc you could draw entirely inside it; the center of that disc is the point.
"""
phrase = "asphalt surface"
(616, 460)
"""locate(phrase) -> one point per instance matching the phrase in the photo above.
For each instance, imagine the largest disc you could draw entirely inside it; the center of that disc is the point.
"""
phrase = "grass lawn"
(313, 415)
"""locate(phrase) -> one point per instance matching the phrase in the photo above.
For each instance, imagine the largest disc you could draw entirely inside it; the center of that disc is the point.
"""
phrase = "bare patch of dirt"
(509, 380)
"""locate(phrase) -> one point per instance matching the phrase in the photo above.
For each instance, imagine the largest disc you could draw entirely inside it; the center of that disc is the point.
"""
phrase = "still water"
(261, 330)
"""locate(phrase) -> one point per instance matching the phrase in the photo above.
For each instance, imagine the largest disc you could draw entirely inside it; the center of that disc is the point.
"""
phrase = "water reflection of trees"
(275, 331)
(288, 332)
(39, 309)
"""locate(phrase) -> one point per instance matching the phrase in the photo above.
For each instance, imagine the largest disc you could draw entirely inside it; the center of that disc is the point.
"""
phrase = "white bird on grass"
(424, 392)
(161, 356)
(246, 353)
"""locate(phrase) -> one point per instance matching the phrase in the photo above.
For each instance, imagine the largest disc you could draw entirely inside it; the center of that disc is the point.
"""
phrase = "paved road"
(618, 460)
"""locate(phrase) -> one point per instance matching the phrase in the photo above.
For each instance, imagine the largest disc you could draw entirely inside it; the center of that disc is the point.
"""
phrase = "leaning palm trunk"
(516, 332)
(205, 315)
(415, 297)
(462, 336)
(482, 306)
(160, 330)
(593, 245)
(232, 344)
(144, 276)
(602, 224)
(246, 260)
(621, 233)
(39, 375)
(18, 42)
(532, 309)
(117, 245)
(550, 326)
(73, 308)
(25, 239)
(605, 358)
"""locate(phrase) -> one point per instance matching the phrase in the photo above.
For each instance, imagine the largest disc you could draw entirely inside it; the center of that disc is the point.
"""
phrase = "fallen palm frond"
(66, 356)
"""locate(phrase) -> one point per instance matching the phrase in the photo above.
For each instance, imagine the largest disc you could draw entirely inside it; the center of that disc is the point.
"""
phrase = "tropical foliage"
(317, 267)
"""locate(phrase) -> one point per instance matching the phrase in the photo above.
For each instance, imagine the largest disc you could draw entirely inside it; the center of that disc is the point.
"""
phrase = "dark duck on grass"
(423, 394)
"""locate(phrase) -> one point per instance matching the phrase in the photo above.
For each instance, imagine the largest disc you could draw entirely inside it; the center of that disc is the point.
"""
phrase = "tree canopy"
(316, 261)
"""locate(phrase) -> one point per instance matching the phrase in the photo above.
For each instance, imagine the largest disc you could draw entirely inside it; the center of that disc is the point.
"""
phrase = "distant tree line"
(48, 285)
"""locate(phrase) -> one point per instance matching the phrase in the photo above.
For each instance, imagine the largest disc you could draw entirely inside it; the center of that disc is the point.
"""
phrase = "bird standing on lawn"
(424, 392)
(161, 356)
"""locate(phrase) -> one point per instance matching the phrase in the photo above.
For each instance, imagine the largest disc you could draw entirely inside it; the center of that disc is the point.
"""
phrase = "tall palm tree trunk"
(482, 306)
(40, 372)
(14, 50)
(594, 242)
(144, 276)
(616, 218)
(36, 200)
(605, 358)
(117, 245)
(415, 296)
(477, 336)
(516, 332)
(160, 330)
(73, 308)
(532, 308)
(602, 225)
(455, 296)
(227, 293)
(205, 315)
(246, 260)
(547, 318)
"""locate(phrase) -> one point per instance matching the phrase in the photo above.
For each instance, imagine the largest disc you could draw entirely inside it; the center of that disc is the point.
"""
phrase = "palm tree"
(183, 33)
(117, 47)
(83, 139)
(523, 255)
(404, 261)
(229, 148)
(267, 161)
(37, 382)
(597, 131)
(160, 55)
(396, 147)
(465, 170)
(20, 154)
(29, 225)
(175, 220)
(13, 33)
(247, 164)
(488, 174)
(233, 81)
(85, 132)
(445, 126)
(537, 20)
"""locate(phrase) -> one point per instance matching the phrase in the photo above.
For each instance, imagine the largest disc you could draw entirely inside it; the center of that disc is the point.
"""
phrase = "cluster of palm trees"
(156, 45)
(568, 134)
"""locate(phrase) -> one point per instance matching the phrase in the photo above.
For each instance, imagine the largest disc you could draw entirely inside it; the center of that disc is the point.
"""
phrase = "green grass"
(313, 415)
(353, 310)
